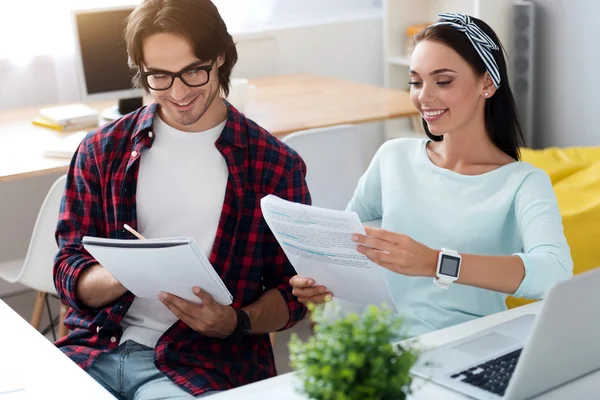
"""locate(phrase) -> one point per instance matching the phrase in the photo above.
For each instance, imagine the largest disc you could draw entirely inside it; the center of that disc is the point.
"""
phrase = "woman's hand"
(307, 292)
(397, 252)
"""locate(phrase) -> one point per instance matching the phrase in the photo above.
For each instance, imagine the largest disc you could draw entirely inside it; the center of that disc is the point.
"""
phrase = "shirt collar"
(235, 131)
(145, 119)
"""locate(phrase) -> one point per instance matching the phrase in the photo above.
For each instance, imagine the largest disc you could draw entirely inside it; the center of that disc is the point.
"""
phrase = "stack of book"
(70, 117)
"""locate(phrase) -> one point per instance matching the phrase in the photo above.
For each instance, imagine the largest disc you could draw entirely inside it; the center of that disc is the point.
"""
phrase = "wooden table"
(290, 103)
(281, 104)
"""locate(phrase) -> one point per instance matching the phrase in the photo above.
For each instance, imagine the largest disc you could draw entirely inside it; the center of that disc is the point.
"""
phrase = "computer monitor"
(101, 55)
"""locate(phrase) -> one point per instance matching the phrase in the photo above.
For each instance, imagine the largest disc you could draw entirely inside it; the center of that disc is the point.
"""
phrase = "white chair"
(334, 163)
(35, 271)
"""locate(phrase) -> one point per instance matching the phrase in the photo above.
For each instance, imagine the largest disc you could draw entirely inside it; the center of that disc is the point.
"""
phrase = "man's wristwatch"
(448, 268)
(243, 327)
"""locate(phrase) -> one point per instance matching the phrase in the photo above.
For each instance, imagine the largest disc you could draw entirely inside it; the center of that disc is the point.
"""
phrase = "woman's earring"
(486, 95)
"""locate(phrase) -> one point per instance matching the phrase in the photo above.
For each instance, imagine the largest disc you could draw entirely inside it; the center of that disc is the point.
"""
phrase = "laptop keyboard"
(493, 375)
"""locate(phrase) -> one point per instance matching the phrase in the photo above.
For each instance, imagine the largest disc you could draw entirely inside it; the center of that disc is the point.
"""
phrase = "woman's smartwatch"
(448, 268)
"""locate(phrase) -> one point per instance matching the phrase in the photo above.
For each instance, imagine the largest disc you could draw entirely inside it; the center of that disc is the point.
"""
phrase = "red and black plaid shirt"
(100, 197)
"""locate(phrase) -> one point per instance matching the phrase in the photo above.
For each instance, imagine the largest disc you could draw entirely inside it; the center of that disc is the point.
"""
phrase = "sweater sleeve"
(366, 201)
(546, 254)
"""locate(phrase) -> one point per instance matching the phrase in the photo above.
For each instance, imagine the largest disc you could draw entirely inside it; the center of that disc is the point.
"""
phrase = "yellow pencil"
(46, 123)
(133, 231)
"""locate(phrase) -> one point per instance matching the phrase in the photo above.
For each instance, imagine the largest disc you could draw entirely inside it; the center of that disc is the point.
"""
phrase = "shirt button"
(150, 134)
(134, 154)
(113, 339)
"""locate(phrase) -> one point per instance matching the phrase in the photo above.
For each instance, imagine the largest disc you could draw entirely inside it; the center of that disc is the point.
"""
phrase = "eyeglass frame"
(173, 75)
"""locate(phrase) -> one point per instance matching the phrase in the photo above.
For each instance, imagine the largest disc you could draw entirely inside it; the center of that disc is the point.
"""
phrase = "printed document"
(318, 243)
(147, 267)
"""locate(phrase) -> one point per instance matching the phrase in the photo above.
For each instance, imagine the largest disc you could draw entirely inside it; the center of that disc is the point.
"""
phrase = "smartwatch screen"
(449, 265)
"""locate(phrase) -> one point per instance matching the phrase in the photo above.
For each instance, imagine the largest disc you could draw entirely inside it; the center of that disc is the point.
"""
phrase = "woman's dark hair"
(501, 118)
(198, 21)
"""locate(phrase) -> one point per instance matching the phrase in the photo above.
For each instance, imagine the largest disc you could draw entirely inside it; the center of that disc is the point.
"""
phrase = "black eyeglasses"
(193, 77)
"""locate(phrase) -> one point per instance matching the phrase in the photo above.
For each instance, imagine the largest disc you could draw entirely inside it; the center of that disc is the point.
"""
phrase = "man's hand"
(307, 292)
(209, 318)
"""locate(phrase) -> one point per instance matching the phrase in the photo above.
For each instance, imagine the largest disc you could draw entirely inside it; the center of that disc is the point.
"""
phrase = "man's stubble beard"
(207, 105)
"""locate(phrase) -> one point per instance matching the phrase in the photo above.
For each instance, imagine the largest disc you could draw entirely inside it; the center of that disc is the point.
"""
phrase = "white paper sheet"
(318, 243)
(147, 267)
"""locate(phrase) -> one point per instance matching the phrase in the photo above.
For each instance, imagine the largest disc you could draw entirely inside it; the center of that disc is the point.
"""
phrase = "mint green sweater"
(509, 211)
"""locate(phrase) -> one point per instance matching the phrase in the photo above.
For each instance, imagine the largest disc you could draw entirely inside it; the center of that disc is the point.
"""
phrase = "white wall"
(285, 12)
(567, 84)
(350, 50)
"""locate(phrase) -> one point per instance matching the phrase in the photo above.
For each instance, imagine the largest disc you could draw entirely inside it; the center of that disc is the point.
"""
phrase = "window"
(48, 30)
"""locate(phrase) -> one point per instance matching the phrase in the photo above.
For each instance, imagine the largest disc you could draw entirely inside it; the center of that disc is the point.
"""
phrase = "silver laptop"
(528, 355)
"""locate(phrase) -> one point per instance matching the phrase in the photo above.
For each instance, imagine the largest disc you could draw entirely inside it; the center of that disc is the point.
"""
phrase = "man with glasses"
(187, 165)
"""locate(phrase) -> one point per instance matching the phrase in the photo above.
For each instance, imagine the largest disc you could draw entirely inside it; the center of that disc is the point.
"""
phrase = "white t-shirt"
(180, 192)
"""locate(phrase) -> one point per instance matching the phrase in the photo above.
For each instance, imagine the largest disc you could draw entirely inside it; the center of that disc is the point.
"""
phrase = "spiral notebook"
(150, 266)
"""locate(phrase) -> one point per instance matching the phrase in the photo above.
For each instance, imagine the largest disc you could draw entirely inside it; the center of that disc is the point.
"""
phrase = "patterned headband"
(483, 43)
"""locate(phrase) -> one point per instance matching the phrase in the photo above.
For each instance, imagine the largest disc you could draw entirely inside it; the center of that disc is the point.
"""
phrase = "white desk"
(33, 362)
(282, 387)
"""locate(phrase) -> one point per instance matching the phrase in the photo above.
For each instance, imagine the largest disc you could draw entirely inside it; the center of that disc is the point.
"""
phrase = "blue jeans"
(129, 373)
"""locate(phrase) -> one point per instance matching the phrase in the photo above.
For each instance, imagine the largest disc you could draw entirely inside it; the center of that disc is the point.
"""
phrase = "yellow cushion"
(575, 176)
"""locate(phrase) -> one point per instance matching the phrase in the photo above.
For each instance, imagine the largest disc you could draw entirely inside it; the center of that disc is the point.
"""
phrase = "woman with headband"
(464, 222)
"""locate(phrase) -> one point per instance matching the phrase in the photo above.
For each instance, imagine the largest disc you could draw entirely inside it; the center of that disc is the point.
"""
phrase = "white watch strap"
(452, 252)
(441, 283)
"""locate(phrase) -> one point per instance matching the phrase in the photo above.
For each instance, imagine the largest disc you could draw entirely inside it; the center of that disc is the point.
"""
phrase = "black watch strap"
(243, 327)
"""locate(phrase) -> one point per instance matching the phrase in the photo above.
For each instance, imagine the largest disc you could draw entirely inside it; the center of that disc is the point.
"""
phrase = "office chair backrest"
(334, 163)
(37, 268)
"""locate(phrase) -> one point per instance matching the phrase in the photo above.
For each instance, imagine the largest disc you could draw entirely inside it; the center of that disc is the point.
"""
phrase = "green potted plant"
(354, 357)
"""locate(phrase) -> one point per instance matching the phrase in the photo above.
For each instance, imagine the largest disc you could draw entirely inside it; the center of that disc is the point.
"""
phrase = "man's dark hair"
(198, 21)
